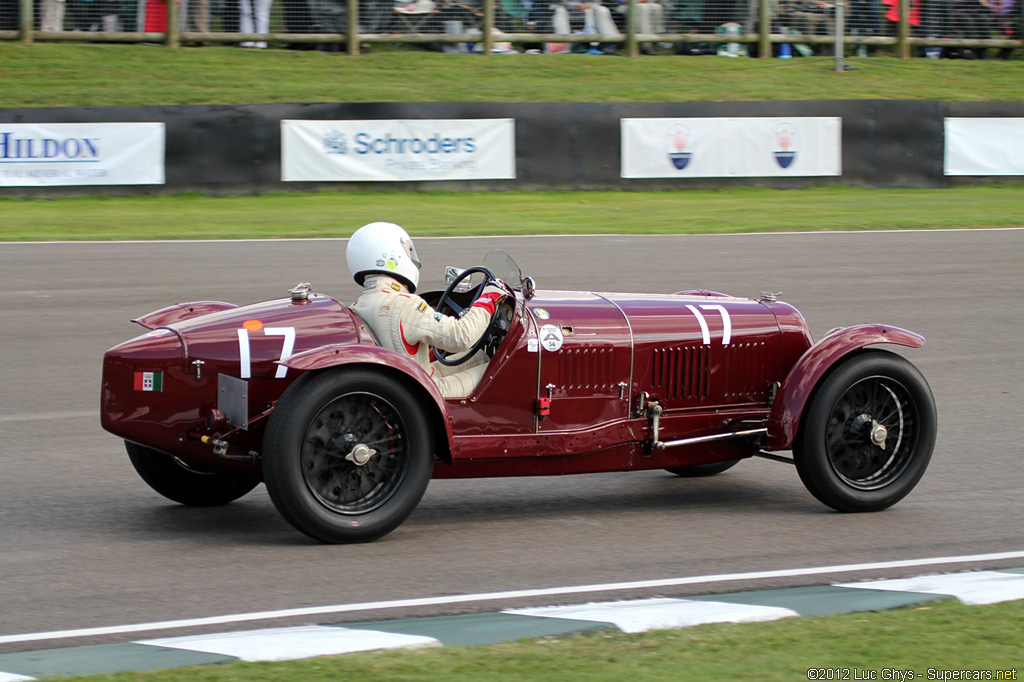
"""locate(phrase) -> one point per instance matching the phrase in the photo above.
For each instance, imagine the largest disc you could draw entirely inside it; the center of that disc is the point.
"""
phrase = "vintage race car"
(346, 434)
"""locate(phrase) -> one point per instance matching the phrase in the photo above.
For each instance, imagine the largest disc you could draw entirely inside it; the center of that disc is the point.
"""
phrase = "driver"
(383, 259)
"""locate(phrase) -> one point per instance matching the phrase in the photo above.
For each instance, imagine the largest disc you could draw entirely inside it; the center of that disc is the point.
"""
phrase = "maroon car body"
(580, 382)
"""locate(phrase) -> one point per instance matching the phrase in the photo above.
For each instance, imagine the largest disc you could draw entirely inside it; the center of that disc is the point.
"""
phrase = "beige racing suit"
(405, 323)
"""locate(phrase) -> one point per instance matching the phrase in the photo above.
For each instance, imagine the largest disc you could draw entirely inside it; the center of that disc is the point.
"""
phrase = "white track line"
(922, 230)
(500, 596)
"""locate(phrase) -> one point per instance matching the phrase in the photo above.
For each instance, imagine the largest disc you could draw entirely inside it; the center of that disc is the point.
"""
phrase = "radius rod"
(654, 411)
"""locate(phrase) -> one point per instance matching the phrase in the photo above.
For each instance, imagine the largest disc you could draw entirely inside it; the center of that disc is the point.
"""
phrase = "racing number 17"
(726, 322)
(286, 349)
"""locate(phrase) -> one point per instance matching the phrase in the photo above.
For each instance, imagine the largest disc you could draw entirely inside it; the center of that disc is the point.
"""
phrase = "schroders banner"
(984, 146)
(731, 147)
(396, 150)
(41, 154)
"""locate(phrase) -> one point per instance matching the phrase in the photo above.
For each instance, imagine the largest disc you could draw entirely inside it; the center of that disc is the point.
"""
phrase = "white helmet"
(383, 248)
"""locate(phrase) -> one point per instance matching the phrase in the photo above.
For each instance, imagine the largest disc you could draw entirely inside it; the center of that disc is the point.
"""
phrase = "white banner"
(984, 146)
(390, 151)
(731, 147)
(37, 154)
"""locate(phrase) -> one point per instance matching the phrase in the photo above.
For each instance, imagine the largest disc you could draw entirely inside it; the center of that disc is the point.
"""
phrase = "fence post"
(840, 7)
(352, 27)
(26, 20)
(903, 30)
(488, 26)
(171, 38)
(764, 45)
(632, 48)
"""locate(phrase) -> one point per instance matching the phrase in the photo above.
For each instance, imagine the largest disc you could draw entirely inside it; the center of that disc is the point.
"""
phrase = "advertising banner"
(731, 147)
(43, 154)
(395, 150)
(984, 146)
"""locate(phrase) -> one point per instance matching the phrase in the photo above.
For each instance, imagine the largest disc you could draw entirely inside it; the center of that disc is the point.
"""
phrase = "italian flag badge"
(149, 381)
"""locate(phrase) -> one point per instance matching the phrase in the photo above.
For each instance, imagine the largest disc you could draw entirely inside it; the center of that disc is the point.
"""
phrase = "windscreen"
(504, 268)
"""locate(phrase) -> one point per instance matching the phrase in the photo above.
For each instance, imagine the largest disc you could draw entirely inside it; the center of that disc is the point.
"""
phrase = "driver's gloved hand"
(489, 297)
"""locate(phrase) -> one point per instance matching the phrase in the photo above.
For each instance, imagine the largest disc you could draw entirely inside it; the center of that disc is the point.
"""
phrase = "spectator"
(1005, 21)
(595, 18)
(814, 18)
(893, 15)
(197, 16)
(254, 18)
(969, 19)
(650, 18)
(53, 15)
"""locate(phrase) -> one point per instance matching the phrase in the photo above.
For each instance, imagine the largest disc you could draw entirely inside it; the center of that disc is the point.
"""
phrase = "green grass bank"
(73, 74)
(338, 214)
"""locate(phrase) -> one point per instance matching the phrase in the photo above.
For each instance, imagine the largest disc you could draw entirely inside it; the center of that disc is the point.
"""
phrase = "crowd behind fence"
(780, 28)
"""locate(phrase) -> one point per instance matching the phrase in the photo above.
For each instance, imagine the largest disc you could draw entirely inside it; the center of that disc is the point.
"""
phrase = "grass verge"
(942, 637)
(73, 74)
(436, 213)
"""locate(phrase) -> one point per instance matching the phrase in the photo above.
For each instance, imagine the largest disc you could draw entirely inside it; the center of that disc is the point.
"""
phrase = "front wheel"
(347, 455)
(185, 484)
(867, 435)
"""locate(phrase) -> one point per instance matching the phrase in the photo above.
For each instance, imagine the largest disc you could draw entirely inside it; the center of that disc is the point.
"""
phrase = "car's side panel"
(784, 420)
(599, 352)
(697, 351)
(586, 355)
(505, 401)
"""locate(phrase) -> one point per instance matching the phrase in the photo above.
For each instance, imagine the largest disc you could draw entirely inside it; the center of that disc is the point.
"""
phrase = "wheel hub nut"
(360, 454)
(878, 434)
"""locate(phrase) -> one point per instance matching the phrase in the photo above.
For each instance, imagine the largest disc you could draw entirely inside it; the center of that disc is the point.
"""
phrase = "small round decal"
(541, 313)
(550, 337)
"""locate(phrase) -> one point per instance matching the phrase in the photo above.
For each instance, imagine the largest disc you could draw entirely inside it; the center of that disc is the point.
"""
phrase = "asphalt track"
(85, 544)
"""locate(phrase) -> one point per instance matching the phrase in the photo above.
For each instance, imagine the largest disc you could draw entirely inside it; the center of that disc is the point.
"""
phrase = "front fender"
(784, 419)
(336, 355)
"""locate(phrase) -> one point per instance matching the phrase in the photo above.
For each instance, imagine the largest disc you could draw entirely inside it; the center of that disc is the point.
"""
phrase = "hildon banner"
(41, 154)
(731, 147)
(398, 150)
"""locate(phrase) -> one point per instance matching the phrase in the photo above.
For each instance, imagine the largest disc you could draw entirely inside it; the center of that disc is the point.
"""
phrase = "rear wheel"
(868, 433)
(347, 455)
(181, 482)
(701, 470)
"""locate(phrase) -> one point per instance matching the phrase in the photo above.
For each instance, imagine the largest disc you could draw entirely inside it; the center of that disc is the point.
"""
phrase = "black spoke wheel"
(185, 484)
(867, 434)
(347, 455)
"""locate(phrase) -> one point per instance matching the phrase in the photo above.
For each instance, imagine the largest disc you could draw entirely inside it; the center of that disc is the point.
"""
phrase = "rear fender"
(181, 311)
(784, 419)
(395, 364)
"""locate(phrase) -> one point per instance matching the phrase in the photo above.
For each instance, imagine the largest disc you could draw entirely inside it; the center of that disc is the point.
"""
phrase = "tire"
(702, 470)
(193, 487)
(867, 434)
(324, 457)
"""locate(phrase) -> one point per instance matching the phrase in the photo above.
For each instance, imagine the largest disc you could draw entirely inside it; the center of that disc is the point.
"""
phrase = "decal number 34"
(726, 322)
(286, 349)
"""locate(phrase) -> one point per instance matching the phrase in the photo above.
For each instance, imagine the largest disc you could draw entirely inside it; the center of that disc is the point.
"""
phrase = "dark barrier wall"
(236, 149)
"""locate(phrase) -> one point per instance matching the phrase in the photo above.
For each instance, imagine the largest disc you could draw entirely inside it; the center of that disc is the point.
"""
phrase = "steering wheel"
(493, 331)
